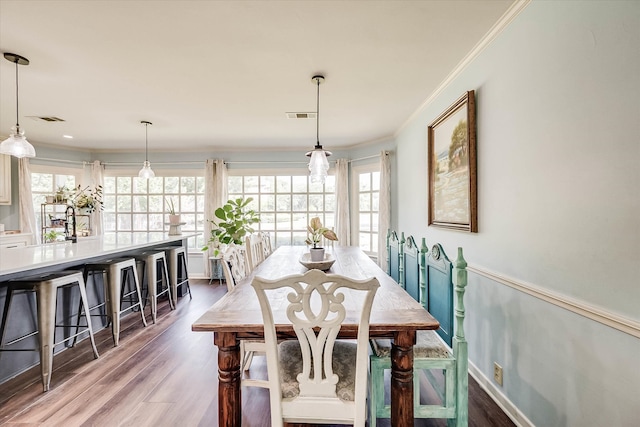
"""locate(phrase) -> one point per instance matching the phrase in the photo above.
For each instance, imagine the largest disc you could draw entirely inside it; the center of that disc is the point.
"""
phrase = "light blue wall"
(559, 200)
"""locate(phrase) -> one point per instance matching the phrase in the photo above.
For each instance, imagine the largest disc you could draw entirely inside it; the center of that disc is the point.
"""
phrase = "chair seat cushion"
(344, 364)
(428, 345)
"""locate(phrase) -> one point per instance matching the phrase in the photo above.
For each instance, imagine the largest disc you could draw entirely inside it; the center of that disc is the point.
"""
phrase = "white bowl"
(323, 265)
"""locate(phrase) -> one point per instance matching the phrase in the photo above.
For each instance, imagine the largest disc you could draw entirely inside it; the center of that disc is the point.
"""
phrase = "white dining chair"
(316, 378)
(235, 269)
(255, 252)
(267, 247)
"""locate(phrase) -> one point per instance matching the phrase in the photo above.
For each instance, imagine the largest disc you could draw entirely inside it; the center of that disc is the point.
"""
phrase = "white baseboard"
(501, 400)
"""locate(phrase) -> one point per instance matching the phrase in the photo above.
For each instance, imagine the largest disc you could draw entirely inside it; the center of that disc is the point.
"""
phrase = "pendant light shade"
(318, 165)
(17, 145)
(146, 171)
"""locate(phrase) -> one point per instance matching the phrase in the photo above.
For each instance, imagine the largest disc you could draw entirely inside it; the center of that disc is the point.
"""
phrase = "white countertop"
(22, 259)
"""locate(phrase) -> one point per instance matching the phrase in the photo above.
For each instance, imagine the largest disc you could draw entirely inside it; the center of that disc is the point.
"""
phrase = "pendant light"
(17, 145)
(146, 171)
(318, 165)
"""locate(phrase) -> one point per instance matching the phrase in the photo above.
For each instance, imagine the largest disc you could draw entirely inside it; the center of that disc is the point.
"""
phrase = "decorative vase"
(50, 199)
(174, 219)
(316, 254)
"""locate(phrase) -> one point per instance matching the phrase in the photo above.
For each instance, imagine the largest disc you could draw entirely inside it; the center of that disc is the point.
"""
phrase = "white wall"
(559, 201)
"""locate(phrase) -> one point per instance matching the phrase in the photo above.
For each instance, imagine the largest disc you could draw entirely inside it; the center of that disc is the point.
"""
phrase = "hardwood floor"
(161, 375)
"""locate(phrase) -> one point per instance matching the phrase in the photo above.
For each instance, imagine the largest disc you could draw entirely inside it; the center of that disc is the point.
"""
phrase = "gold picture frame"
(453, 198)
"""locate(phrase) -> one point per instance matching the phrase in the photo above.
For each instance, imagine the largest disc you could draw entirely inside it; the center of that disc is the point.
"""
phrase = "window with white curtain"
(136, 206)
(366, 191)
(286, 201)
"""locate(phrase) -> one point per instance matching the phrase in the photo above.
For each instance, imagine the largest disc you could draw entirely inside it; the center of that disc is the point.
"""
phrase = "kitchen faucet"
(73, 237)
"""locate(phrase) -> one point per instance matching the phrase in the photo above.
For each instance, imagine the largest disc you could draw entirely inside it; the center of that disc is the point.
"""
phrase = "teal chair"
(393, 253)
(436, 282)
(410, 267)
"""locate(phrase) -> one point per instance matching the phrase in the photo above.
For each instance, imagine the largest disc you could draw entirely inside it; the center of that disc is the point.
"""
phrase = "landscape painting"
(452, 167)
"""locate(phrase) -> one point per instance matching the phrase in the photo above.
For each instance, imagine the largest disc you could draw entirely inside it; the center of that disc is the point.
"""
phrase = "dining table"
(237, 315)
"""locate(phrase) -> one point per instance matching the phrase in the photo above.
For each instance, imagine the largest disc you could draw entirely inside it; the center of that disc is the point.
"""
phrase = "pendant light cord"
(318, 116)
(17, 97)
(146, 142)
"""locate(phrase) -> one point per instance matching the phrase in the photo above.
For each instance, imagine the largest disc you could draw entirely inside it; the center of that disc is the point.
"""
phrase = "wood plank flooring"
(161, 375)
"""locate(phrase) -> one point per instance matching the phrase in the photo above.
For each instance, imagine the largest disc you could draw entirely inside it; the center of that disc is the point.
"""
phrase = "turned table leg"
(229, 398)
(402, 378)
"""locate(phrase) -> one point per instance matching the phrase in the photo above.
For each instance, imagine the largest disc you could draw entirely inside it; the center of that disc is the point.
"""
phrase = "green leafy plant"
(317, 232)
(62, 193)
(234, 221)
(171, 208)
(88, 198)
(51, 236)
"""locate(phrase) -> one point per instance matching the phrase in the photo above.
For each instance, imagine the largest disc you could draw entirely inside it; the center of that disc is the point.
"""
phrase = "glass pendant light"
(17, 145)
(318, 164)
(146, 171)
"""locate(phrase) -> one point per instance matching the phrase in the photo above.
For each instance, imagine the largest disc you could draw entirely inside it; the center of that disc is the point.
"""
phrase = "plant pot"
(50, 199)
(174, 219)
(316, 254)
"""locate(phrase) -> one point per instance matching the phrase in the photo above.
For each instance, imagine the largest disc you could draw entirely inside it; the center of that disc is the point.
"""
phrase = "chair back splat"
(255, 251)
(393, 249)
(411, 268)
(317, 378)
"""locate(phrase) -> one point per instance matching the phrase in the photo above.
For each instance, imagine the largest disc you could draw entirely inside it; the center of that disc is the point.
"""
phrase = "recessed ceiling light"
(67, 136)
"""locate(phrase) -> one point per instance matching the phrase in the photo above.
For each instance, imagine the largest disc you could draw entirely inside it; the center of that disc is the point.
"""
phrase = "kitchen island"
(38, 259)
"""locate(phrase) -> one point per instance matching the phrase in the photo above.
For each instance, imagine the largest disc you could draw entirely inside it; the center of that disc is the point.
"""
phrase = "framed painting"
(453, 199)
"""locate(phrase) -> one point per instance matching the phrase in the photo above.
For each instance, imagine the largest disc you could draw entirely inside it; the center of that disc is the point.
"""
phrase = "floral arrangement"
(88, 198)
(317, 231)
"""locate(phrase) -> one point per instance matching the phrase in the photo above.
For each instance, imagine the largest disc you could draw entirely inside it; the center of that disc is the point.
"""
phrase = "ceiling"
(222, 74)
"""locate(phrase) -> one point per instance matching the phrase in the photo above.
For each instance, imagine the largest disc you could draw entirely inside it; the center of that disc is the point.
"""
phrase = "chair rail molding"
(605, 317)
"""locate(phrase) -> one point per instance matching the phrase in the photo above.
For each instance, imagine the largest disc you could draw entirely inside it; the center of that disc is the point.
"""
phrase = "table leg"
(229, 398)
(402, 378)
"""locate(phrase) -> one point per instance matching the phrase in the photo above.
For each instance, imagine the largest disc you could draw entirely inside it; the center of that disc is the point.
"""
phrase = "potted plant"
(61, 194)
(317, 232)
(51, 236)
(174, 219)
(235, 221)
(87, 199)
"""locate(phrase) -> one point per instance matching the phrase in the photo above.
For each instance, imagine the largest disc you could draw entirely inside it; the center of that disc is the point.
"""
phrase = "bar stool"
(177, 269)
(155, 261)
(45, 287)
(119, 272)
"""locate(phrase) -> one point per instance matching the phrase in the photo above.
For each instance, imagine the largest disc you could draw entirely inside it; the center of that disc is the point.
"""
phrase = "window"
(45, 180)
(136, 206)
(285, 202)
(367, 194)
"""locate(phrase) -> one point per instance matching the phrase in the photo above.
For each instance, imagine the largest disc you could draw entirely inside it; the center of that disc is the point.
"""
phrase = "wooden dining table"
(395, 314)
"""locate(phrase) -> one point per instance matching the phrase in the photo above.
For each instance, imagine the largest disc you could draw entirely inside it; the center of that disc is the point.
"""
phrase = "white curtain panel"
(97, 178)
(384, 209)
(343, 228)
(215, 195)
(25, 200)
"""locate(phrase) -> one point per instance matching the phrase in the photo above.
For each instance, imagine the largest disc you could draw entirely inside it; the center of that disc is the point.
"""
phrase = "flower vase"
(174, 219)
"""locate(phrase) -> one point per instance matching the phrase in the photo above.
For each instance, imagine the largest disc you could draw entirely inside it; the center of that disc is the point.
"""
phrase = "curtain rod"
(194, 162)
(369, 157)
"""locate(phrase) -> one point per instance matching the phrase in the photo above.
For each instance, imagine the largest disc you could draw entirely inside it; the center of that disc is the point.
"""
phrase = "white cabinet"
(5, 179)
(16, 240)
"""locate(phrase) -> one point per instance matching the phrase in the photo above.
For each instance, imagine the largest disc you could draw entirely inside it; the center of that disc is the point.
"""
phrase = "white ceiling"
(222, 74)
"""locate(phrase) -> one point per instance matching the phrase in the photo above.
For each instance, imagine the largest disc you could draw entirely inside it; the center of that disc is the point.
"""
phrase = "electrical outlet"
(497, 373)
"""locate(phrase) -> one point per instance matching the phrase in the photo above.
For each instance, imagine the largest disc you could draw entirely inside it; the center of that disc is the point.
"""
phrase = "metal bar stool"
(155, 261)
(177, 269)
(45, 287)
(120, 272)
